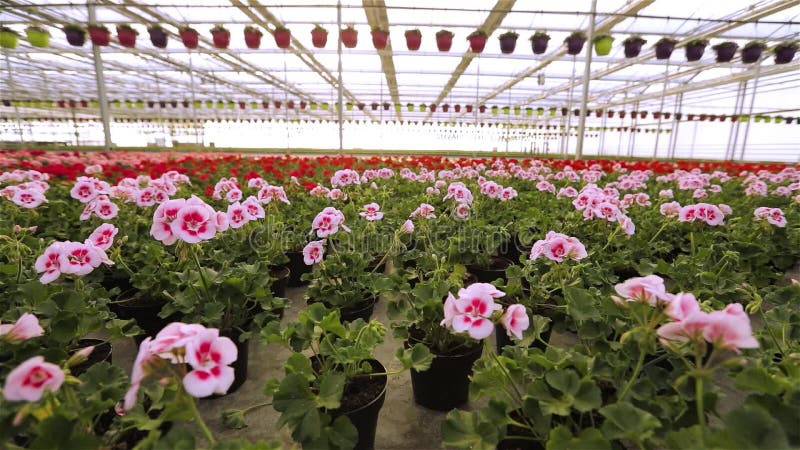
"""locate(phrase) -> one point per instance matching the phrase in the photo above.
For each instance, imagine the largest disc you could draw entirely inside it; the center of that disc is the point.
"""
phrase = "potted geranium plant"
(602, 44)
(784, 52)
(575, 42)
(283, 37)
(8, 38)
(38, 36)
(99, 35)
(633, 46)
(695, 49)
(413, 39)
(477, 41)
(75, 34)
(349, 36)
(319, 36)
(189, 36)
(508, 42)
(317, 395)
(752, 51)
(252, 37)
(444, 40)
(126, 35)
(665, 47)
(158, 36)
(539, 42)
(380, 38)
(220, 36)
(725, 51)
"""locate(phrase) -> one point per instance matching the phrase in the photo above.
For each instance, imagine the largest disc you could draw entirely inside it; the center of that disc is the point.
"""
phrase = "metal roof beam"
(377, 18)
(492, 22)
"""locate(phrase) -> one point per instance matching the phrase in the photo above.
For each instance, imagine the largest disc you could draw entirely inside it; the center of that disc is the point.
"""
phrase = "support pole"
(13, 96)
(566, 121)
(586, 76)
(694, 140)
(101, 84)
(340, 100)
(632, 135)
(660, 109)
(750, 111)
(602, 141)
(675, 126)
(733, 137)
(194, 110)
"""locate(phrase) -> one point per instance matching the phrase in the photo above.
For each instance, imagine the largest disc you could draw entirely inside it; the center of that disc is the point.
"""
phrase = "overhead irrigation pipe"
(101, 84)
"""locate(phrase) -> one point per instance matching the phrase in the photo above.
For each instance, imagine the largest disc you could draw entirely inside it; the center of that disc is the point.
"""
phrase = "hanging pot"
(445, 385)
(695, 50)
(413, 39)
(386, 106)
(126, 36)
(283, 37)
(38, 37)
(725, 51)
(539, 43)
(380, 39)
(664, 48)
(221, 38)
(602, 45)
(445, 107)
(319, 37)
(9, 39)
(349, 37)
(75, 36)
(508, 42)
(100, 36)
(252, 38)
(444, 40)
(575, 43)
(457, 108)
(752, 52)
(365, 416)
(633, 46)
(477, 42)
(784, 53)
(190, 38)
(158, 37)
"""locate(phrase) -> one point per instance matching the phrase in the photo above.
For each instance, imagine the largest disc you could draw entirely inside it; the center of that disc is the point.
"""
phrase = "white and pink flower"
(313, 252)
(328, 221)
(210, 357)
(649, 289)
(29, 381)
(26, 327)
(558, 247)
(371, 212)
(103, 236)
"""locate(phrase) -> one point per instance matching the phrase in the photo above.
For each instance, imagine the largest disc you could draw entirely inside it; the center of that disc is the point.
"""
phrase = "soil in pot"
(102, 352)
(496, 269)
(297, 267)
(362, 401)
(445, 385)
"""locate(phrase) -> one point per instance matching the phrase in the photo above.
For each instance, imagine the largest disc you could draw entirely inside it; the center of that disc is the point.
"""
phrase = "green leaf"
(581, 305)
(753, 427)
(342, 433)
(331, 323)
(625, 421)
(562, 439)
(294, 400)
(757, 379)
(566, 381)
(418, 357)
(299, 364)
(57, 433)
(588, 396)
(331, 388)
(234, 419)
(466, 430)
(178, 438)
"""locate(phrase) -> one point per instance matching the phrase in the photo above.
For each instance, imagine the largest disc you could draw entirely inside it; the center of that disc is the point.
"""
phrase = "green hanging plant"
(602, 44)
(38, 36)
(8, 38)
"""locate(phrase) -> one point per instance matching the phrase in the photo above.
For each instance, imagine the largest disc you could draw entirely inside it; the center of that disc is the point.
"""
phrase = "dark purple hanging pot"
(633, 46)
(508, 42)
(539, 42)
(751, 52)
(695, 50)
(575, 43)
(664, 48)
(784, 53)
(158, 37)
(725, 51)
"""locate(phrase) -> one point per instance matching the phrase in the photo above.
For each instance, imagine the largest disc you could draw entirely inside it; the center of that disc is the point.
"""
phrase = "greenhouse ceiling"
(396, 83)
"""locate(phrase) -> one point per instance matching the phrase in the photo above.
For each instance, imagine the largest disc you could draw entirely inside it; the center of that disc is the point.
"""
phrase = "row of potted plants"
(126, 35)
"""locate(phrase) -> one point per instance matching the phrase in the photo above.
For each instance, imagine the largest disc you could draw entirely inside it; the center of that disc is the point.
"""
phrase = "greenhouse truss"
(630, 78)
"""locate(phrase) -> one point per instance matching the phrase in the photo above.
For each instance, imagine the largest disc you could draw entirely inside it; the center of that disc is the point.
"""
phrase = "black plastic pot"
(784, 54)
(633, 46)
(158, 37)
(446, 384)
(575, 44)
(664, 48)
(752, 53)
(725, 51)
(281, 274)
(297, 267)
(101, 353)
(497, 269)
(695, 51)
(146, 316)
(539, 44)
(520, 443)
(365, 418)
(513, 249)
(361, 310)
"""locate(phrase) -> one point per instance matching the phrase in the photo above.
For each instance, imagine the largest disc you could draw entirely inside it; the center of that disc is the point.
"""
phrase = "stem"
(610, 239)
(201, 423)
(658, 232)
(635, 374)
(691, 239)
(698, 398)
(202, 275)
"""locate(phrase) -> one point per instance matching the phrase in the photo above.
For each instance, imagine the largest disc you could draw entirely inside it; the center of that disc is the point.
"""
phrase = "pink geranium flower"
(80, 259)
(253, 208)
(49, 263)
(29, 380)
(26, 327)
(237, 215)
(424, 211)
(196, 222)
(472, 310)
(407, 227)
(165, 215)
(28, 197)
(327, 222)
(558, 247)
(649, 289)
(371, 212)
(210, 356)
(103, 236)
(139, 372)
(313, 252)
(515, 320)
(730, 328)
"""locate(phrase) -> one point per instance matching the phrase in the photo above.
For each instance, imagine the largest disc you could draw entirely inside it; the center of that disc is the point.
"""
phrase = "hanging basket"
(349, 37)
(633, 46)
(99, 35)
(221, 37)
(38, 37)
(752, 52)
(602, 45)
(158, 36)
(508, 42)
(695, 50)
(380, 39)
(190, 37)
(444, 40)
(319, 37)
(283, 37)
(725, 51)
(252, 37)
(8, 38)
(784, 53)
(413, 39)
(665, 47)
(477, 41)
(575, 43)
